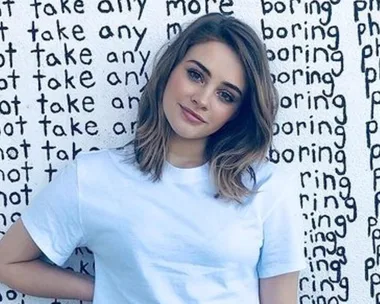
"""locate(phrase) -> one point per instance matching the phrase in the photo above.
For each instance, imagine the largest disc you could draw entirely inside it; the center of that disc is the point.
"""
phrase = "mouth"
(191, 115)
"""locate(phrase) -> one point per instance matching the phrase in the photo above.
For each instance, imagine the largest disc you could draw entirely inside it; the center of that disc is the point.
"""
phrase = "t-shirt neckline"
(187, 175)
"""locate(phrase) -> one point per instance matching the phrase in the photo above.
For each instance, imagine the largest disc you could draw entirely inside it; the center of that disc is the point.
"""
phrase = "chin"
(187, 134)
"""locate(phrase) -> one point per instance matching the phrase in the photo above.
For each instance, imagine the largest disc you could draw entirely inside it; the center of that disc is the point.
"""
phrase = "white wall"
(326, 64)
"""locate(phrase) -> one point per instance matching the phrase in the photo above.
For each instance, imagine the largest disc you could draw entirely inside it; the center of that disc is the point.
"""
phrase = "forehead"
(220, 59)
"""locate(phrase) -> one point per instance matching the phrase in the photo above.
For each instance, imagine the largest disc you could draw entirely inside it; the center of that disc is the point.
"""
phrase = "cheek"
(224, 113)
(176, 85)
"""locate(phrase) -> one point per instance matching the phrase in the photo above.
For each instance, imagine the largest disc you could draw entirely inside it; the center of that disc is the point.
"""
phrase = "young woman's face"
(204, 90)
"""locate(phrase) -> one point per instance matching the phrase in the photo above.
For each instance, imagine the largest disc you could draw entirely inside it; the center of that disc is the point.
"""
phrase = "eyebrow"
(227, 84)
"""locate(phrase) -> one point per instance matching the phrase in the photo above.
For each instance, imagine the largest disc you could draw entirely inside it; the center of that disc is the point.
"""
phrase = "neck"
(185, 153)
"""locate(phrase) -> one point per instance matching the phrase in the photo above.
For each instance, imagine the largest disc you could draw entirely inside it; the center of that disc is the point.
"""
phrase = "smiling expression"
(204, 90)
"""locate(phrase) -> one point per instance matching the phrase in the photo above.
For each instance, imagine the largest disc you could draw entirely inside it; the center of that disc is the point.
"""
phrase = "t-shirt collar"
(185, 175)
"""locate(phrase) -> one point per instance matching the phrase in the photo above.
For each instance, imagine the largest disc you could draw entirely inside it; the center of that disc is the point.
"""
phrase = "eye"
(195, 75)
(226, 96)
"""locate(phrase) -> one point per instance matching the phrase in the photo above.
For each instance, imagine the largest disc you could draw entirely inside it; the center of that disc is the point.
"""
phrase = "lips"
(192, 115)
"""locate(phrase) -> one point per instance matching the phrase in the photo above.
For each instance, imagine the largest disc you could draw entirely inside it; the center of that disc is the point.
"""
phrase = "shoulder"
(276, 188)
(103, 162)
(270, 176)
(93, 160)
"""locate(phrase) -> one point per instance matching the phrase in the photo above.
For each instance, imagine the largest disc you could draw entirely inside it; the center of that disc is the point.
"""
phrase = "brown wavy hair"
(244, 140)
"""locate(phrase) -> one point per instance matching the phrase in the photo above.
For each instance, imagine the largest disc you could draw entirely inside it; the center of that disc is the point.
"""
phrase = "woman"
(190, 211)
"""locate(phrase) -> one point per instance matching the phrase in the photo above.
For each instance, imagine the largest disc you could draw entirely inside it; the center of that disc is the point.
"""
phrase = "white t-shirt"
(169, 241)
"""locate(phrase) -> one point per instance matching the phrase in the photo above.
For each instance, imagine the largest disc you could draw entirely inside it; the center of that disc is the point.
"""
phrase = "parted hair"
(242, 141)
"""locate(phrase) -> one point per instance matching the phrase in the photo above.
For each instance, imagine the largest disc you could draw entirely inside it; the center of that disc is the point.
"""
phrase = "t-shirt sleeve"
(53, 218)
(283, 234)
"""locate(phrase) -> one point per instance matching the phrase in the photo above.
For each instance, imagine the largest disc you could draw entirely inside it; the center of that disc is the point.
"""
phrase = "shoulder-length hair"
(244, 140)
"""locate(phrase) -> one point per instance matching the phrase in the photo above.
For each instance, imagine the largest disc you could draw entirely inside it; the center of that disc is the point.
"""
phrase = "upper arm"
(281, 289)
(282, 250)
(53, 218)
(17, 245)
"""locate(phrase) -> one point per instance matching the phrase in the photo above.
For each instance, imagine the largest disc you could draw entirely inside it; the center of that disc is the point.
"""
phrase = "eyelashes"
(226, 96)
(198, 77)
(195, 75)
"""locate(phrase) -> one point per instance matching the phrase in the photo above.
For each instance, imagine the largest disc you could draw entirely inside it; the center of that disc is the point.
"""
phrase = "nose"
(202, 98)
